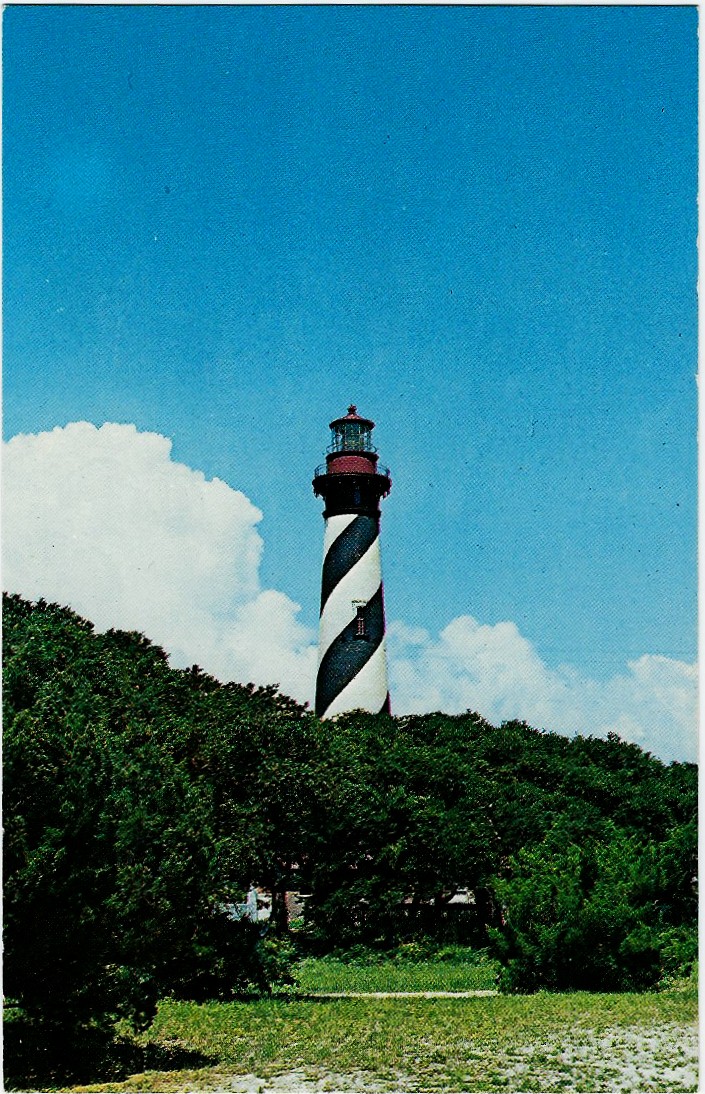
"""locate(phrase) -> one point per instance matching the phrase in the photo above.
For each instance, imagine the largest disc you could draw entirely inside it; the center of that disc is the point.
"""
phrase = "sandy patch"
(298, 1082)
(661, 1059)
(658, 1060)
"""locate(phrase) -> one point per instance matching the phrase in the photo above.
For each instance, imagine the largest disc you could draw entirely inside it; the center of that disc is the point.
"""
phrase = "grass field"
(463, 971)
(576, 1042)
(291, 1043)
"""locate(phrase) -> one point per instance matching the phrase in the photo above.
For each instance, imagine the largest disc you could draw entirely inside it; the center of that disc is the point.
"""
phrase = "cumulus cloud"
(104, 520)
(497, 672)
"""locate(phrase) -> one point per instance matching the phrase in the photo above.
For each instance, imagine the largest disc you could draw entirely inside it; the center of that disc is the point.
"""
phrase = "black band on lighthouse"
(348, 654)
(348, 548)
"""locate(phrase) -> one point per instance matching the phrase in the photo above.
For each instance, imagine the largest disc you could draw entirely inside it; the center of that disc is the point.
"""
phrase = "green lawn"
(577, 1042)
(329, 975)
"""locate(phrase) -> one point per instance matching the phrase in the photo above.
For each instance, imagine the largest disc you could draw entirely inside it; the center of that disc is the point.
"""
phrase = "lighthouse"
(352, 658)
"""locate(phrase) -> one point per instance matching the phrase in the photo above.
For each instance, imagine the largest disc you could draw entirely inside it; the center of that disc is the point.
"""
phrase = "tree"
(140, 800)
(118, 856)
(588, 916)
(404, 822)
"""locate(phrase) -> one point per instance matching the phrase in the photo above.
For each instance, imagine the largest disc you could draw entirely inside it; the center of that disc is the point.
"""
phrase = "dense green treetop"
(141, 799)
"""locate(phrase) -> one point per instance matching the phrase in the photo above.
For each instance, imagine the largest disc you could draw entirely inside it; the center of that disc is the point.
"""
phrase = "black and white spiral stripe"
(352, 668)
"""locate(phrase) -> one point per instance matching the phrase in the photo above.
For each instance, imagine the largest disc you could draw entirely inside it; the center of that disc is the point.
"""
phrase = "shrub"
(588, 917)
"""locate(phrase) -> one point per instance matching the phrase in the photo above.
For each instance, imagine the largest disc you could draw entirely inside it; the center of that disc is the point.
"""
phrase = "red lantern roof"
(353, 416)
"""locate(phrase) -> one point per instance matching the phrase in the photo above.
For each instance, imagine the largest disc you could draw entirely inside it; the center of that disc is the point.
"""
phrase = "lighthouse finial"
(352, 409)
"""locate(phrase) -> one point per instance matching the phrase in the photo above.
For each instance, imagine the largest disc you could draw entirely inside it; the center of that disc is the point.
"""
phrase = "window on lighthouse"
(360, 628)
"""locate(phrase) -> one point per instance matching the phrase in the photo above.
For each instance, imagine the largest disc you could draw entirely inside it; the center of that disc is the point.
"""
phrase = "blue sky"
(224, 224)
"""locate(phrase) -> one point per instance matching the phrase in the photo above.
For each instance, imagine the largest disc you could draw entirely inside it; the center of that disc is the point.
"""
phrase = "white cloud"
(104, 520)
(495, 671)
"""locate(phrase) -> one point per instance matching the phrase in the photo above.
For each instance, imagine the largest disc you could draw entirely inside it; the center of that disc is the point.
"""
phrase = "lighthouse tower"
(352, 659)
